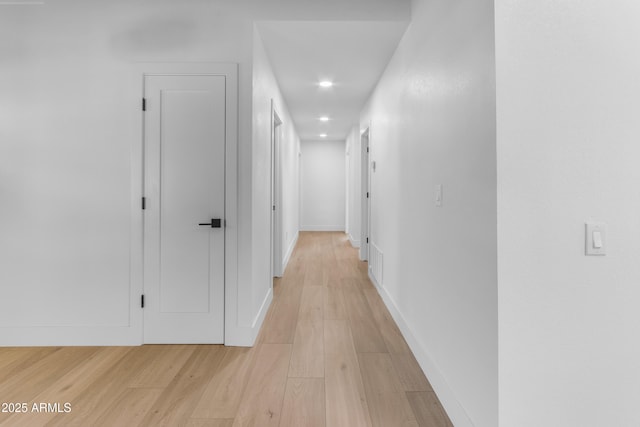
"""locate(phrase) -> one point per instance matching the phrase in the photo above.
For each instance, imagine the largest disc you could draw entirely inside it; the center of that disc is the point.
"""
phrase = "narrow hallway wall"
(432, 123)
(266, 90)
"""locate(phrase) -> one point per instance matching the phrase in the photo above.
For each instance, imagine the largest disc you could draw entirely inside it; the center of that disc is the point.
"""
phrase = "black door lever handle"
(215, 223)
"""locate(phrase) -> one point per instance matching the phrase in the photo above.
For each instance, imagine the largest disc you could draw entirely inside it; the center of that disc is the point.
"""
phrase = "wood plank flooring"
(328, 354)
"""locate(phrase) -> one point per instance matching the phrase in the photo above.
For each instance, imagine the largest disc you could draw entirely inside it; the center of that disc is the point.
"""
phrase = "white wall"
(568, 150)
(433, 122)
(70, 112)
(322, 182)
(353, 186)
(265, 89)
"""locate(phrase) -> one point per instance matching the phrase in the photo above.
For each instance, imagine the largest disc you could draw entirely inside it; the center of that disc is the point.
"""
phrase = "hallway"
(338, 341)
(329, 354)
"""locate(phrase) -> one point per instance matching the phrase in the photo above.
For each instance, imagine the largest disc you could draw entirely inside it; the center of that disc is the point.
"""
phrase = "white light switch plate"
(595, 238)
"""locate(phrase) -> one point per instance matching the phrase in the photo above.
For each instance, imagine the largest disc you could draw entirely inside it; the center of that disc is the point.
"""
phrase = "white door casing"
(184, 186)
(276, 195)
(365, 196)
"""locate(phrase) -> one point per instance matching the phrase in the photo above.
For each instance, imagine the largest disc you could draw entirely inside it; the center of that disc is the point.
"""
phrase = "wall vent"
(375, 263)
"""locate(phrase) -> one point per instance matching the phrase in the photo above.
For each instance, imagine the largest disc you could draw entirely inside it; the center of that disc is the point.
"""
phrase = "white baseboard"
(355, 243)
(322, 228)
(240, 336)
(116, 336)
(287, 257)
(262, 313)
(445, 393)
(70, 336)
(246, 336)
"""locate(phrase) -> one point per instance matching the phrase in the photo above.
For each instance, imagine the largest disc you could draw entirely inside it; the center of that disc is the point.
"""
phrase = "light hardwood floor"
(329, 354)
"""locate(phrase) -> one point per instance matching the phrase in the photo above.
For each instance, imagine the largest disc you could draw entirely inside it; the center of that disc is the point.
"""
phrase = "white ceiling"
(351, 54)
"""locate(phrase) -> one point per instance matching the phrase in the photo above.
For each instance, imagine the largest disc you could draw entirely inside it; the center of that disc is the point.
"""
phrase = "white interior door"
(184, 215)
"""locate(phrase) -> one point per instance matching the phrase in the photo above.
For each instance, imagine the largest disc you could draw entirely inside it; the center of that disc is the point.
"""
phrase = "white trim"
(56, 336)
(355, 243)
(365, 188)
(230, 71)
(246, 336)
(243, 336)
(261, 315)
(287, 257)
(322, 228)
(276, 192)
(443, 390)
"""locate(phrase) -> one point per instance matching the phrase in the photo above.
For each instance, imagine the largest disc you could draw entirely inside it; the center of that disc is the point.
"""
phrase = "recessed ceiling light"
(323, 135)
(325, 83)
(324, 119)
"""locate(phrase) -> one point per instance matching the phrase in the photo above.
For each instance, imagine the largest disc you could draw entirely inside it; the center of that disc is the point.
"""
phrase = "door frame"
(234, 334)
(365, 189)
(276, 193)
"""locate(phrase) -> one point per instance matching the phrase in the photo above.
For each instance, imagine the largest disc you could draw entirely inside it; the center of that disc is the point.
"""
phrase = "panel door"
(184, 193)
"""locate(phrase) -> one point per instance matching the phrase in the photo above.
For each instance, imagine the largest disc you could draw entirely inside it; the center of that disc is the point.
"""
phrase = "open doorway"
(276, 194)
(366, 195)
